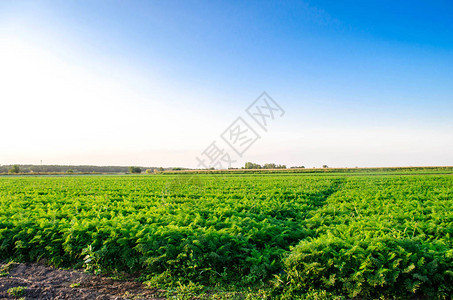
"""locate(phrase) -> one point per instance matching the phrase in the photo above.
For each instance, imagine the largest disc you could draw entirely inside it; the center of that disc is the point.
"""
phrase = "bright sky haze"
(154, 83)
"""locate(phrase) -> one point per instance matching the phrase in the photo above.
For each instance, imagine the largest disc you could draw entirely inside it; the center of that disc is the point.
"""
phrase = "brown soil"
(45, 282)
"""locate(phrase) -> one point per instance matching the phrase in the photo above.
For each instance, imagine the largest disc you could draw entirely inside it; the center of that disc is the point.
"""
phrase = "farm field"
(279, 236)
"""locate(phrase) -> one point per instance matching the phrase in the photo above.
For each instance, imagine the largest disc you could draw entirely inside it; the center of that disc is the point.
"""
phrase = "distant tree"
(135, 170)
(70, 171)
(14, 169)
(148, 171)
(273, 166)
(269, 166)
(250, 165)
(325, 166)
(161, 169)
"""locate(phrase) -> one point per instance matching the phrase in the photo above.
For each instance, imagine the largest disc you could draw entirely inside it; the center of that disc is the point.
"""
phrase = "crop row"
(359, 236)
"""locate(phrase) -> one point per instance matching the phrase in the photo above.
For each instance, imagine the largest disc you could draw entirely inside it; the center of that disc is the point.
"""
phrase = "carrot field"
(290, 235)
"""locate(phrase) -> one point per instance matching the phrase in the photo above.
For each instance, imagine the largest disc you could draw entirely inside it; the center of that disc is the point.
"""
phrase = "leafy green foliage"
(74, 285)
(17, 291)
(386, 236)
(314, 236)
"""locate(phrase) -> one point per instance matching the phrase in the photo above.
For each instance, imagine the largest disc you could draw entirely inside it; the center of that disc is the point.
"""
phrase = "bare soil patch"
(44, 282)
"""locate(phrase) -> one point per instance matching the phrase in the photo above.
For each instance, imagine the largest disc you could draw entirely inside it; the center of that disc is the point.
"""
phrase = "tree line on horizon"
(70, 169)
(250, 165)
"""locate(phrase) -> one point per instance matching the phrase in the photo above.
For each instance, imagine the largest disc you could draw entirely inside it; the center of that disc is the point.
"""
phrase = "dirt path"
(44, 282)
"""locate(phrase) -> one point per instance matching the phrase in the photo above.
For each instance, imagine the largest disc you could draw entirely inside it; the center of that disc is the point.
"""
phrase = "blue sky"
(363, 83)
